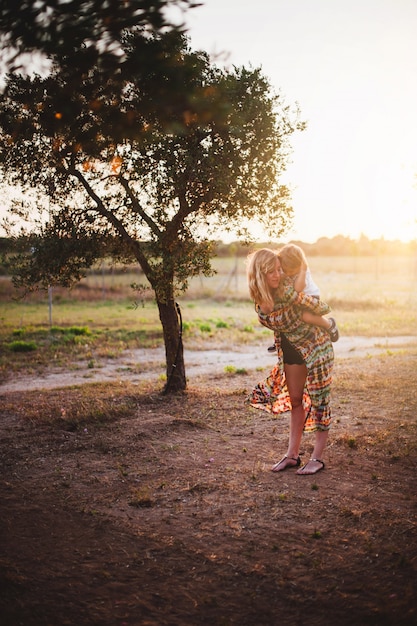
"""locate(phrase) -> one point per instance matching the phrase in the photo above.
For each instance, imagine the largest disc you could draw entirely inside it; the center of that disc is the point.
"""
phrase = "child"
(294, 265)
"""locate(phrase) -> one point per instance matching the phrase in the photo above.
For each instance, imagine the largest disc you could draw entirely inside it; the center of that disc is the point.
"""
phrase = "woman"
(300, 382)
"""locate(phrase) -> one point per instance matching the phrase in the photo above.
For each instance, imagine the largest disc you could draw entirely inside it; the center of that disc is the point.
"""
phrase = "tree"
(109, 168)
(80, 36)
(86, 31)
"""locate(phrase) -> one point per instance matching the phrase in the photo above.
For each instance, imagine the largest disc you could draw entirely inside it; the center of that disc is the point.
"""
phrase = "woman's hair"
(292, 258)
(259, 263)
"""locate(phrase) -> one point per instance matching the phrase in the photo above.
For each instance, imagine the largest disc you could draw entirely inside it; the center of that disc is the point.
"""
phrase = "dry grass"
(369, 297)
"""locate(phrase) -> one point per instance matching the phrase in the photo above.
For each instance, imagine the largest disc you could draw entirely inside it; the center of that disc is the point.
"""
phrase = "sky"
(351, 65)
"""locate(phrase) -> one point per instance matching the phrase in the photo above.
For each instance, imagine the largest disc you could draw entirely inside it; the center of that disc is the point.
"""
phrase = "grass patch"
(22, 346)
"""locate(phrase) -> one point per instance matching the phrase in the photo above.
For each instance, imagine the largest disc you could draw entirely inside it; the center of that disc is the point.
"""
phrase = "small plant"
(79, 330)
(22, 346)
(248, 329)
(123, 472)
(222, 324)
(231, 369)
(141, 499)
(205, 328)
(316, 534)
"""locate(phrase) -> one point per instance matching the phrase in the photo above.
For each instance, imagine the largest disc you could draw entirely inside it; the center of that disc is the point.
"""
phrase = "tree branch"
(114, 221)
(137, 207)
(184, 211)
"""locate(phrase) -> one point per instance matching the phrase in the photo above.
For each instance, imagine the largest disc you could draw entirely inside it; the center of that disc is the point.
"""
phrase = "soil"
(121, 506)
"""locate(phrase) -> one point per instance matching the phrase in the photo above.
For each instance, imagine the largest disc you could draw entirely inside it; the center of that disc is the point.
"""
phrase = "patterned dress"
(315, 347)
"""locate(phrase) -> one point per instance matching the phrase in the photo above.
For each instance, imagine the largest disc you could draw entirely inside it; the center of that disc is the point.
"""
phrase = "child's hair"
(292, 258)
(259, 263)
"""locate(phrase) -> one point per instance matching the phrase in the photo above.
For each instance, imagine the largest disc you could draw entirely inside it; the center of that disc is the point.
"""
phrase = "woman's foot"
(286, 461)
(311, 467)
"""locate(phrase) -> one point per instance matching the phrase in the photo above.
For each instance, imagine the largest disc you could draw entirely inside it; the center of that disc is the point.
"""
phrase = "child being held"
(294, 265)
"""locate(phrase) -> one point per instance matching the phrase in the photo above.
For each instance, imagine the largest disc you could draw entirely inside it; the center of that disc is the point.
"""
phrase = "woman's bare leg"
(296, 377)
(315, 464)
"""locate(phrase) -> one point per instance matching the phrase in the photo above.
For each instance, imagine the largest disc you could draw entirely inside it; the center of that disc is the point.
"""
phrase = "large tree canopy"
(83, 36)
(109, 168)
(88, 31)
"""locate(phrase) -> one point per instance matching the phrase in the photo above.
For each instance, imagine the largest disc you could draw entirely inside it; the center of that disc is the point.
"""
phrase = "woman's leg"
(316, 463)
(296, 377)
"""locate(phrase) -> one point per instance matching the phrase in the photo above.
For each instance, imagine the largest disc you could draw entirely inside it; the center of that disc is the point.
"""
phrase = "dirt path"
(149, 364)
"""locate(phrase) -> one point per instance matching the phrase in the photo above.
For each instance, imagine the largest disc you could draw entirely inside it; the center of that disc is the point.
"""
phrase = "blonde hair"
(259, 263)
(292, 258)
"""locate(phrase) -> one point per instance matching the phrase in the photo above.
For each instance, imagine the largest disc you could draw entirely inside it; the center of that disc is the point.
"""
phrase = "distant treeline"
(325, 246)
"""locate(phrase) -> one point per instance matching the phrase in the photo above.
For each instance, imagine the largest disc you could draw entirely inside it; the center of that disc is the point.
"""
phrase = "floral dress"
(313, 344)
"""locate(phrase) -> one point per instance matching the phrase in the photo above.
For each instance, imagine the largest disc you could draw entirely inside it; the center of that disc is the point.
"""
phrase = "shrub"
(18, 332)
(22, 346)
(221, 324)
(79, 330)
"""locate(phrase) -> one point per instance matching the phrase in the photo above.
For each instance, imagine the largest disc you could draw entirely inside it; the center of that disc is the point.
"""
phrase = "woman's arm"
(289, 295)
(311, 303)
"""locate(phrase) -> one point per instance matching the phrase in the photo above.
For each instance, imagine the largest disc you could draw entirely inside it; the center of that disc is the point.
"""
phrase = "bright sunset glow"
(351, 66)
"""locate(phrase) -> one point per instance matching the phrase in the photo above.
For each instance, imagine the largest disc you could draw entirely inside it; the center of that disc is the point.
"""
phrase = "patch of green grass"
(222, 324)
(231, 369)
(22, 346)
(18, 332)
(72, 330)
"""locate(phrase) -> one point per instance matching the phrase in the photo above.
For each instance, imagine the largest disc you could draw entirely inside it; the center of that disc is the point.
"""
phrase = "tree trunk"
(170, 317)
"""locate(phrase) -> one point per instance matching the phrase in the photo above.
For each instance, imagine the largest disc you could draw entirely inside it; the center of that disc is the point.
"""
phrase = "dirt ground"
(121, 506)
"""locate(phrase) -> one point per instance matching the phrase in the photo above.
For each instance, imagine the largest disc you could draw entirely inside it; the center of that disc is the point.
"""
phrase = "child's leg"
(317, 320)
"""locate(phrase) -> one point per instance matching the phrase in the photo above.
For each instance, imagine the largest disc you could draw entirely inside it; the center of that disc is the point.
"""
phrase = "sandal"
(333, 330)
(290, 458)
(318, 469)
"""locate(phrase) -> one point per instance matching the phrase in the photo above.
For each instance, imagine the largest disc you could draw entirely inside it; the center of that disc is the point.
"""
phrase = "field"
(123, 507)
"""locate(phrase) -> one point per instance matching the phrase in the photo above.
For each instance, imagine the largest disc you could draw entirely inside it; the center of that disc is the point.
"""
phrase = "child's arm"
(289, 295)
(300, 279)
